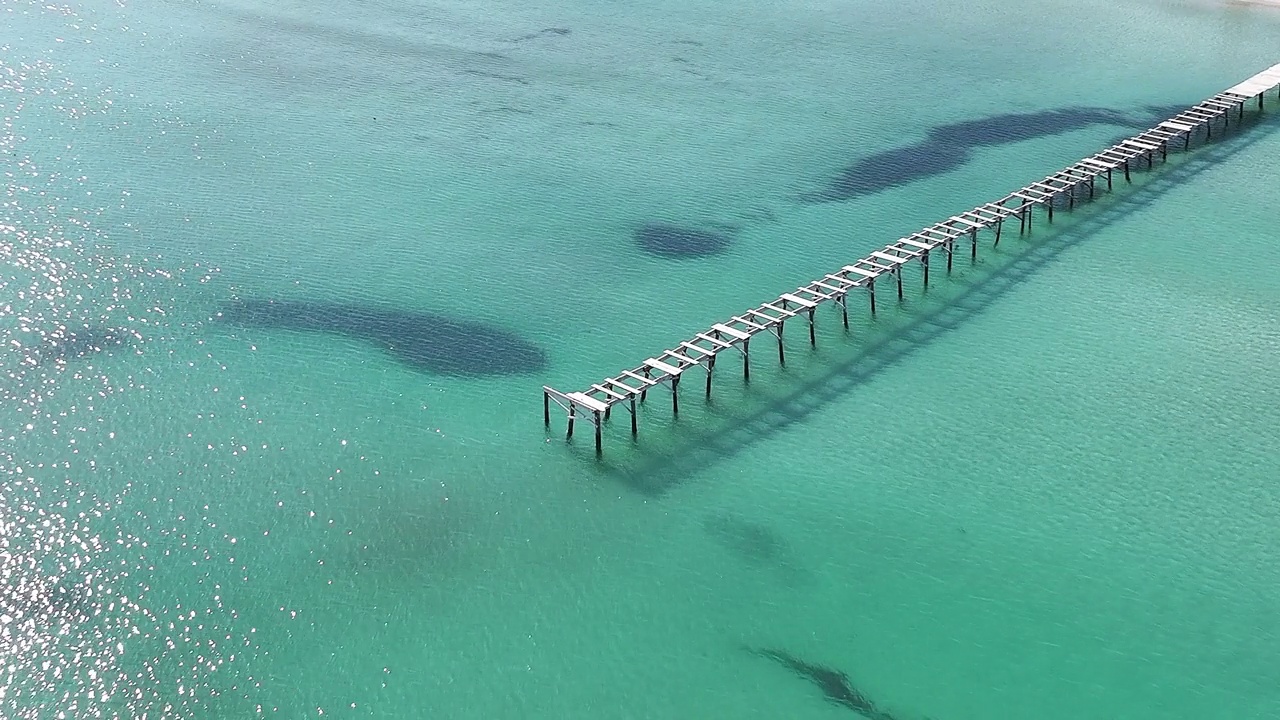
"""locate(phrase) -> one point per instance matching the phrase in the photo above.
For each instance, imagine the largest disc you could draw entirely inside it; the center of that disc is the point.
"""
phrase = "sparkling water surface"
(282, 282)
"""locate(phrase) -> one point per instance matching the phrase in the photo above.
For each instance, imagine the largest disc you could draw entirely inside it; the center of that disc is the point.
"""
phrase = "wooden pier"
(939, 241)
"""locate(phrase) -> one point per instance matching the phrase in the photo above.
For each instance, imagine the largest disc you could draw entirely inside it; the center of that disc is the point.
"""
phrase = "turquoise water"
(1041, 490)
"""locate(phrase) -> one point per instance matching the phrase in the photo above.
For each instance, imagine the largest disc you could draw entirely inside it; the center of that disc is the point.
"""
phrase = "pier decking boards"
(939, 241)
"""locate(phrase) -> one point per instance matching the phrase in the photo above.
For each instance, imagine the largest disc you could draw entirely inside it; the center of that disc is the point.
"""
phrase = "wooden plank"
(1143, 145)
(688, 361)
(1122, 155)
(647, 381)
(1200, 116)
(904, 255)
(1180, 127)
(659, 365)
(913, 243)
(615, 383)
(860, 271)
(798, 300)
(785, 312)
(976, 217)
(851, 283)
(770, 320)
(1000, 210)
(731, 332)
(713, 341)
(607, 391)
(1219, 104)
(946, 231)
(748, 323)
(832, 289)
(588, 402)
(705, 352)
(890, 258)
(970, 223)
(1099, 165)
(816, 299)
(1036, 200)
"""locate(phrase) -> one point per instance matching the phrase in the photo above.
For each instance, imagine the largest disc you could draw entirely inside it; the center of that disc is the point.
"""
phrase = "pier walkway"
(940, 241)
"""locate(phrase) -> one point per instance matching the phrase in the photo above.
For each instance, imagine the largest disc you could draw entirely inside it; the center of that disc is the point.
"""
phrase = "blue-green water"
(1043, 490)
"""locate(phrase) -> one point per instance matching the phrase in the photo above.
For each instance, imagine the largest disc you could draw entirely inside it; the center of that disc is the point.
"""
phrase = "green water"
(1041, 490)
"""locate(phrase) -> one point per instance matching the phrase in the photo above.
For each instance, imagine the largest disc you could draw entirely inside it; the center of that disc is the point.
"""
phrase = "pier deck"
(938, 241)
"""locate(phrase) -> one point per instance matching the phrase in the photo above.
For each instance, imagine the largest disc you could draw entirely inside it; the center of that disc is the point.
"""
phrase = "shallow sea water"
(250, 247)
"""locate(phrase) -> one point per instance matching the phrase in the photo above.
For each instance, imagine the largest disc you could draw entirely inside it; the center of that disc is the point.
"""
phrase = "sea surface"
(282, 282)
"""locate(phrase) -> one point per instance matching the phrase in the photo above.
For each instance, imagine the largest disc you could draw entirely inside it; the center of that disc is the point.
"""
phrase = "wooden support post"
(898, 275)
(951, 251)
(1260, 97)
(746, 360)
(711, 366)
(1022, 221)
(871, 290)
(635, 428)
(644, 391)
(1186, 142)
(1093, 179)
(924, 261)
(973, 247)
(599, 447)
(546, 408)
(844, 309)
(1109, 176)
(1241, 115)
(782, 358)
(608, 409)
(813, 337)
(675, 395)
(1050, 206)
(568, 435)
(1126, 172)
(1164, 150)
(1208, 130)
(1071, 199)
(999, 225)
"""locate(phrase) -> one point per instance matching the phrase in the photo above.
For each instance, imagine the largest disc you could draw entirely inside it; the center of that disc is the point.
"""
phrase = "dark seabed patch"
(423, 341)
(835, 685)
(545, 32)
(947, 147)
(64, 344)
(46, 601)
(676, 241)
(753, 541)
